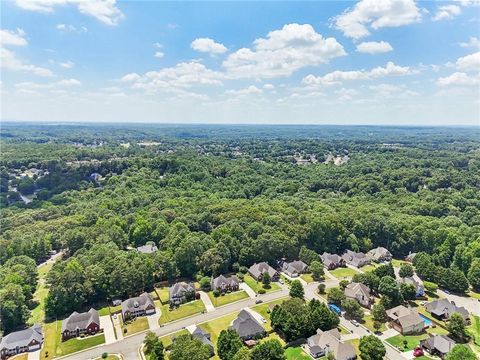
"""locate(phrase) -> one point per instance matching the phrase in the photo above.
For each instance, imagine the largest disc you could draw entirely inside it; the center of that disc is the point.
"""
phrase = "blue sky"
(394, 62)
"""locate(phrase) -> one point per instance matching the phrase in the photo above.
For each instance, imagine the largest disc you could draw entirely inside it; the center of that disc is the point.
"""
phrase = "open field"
(184, 310)
(256, 286)
(227, 298)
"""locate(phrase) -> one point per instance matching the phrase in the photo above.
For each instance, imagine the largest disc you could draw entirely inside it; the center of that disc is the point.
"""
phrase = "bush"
(104, 355)
(430, 286)
(240, 276)
(261, 291)
(321, 288)
(216, 293)
(242, 269)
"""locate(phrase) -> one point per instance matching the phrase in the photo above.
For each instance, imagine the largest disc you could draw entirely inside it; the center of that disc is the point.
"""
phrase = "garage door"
(34, 347)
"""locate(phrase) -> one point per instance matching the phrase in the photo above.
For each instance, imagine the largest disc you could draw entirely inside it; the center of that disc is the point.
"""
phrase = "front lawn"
(78, 344)
(341, 273)
(139, 324)
(368, 323)
(368, 268)
(356, 344)
(412, 341)
(296, 353)
(184, 310)
(168, 339)
(227, 298)
(307, 278)
(163, 294)
(214, 327)
(256, 286)
(264, 310)
(474, 295)
(474, 329)
(23, 356)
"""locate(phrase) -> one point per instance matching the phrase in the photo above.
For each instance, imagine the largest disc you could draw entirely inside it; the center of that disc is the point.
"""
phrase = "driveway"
(388, 334)
(153, 319)
(248, 290)
(206, 301)
(256, 315)
(34, 355)
(118, 326)
(107, 326)
(304, 283)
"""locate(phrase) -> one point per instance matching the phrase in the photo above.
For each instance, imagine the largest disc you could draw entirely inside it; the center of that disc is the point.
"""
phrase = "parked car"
(355, 323)
(281, 281)
(418, 352)
(259, 301)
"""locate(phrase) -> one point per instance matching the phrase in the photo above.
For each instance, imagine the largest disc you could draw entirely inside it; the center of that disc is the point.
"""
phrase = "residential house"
(204, 337)
(416, 282)
(438, 345)
(379, 254)
(86, 323)
(18, 342)
(247, 327)
(405, 320)
(295, 268)
(442, 309)
(225, 284)
(257, 271)
(410, 257)
(326, 342)
(138, 306)
(147, 248)
(359, 292)
(181, 292)
(332, 261)
(357, 259)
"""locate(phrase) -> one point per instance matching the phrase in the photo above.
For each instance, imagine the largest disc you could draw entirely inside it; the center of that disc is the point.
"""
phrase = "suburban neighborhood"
(416, 327)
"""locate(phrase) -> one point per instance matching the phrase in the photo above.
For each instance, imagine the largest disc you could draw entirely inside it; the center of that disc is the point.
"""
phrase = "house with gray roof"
(438, 345)
(204, 337)
(379, 254)
(357, 259)
(18, 342)
(328, 342)
(257, 271)
(416, 282)
(86, 323)
(405, 320)
(442, 309)
(147, 248)
(181, 292)
(332, 261)
(247, 327)
(225, 284)
(138, 306)
(410, 257)
(360, 293)
(295, 268)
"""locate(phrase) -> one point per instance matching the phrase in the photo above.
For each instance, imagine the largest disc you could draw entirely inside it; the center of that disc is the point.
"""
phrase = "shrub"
(321, 288)
(430, 286)
(261, 291)
(104, 355)
(216, 293)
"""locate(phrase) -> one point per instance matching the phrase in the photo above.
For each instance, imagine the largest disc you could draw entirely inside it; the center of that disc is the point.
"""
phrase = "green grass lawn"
(296, 353)
(341, 273)
(214, 327)
(168, 339)
(227, 298)
(368, 323)
(37, 314)
(398, 263)
(474, 328)
(264, 310)
(163, 294)
(19, 357)
(356, 344)
(307, 277)
(135, 326)
(412, 341)
(54, 346)
(370, 267)
(256, 286)
(184, 310)
(474, 295)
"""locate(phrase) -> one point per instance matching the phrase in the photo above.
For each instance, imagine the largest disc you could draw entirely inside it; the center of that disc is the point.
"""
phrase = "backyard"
(296, 353)
(163, 294)
(227, 298)
(341, 273)
(182, 311)
(256, 286)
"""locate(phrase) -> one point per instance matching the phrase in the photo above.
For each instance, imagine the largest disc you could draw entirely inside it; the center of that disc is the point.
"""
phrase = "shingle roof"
(411, 281)
(258, 269)
(179, 289)
(80, 321)
(246, 325)
(441, 343)
(331, 339)
(297, 266)
(22, 337)
(147, 249)
(353, 289)
(443, 307)
(328, 258)
(355, 258)
(203, 336)
(378, 253)
(221, 281)
(405, 316)
(137, 303)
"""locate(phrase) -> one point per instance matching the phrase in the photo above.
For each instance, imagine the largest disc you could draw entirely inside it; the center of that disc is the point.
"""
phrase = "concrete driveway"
(118, 326)
(107, 326)
(248, 290)
(206, 301)
(153, 319)
(34, 355)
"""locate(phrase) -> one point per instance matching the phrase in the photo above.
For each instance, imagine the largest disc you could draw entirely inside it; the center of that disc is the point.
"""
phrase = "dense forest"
(218, 198)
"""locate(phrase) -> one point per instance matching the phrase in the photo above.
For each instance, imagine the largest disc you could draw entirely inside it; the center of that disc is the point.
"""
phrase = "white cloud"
(183, 75)
(13, 38)
(269, 86)
(208, 46)
(459, 79)
(252, 89)
(473, 42)
(376, 14)
(9, 61)
(159, 54)
(67, 64)
(31, 87)
(469, 62)
(447, 12)
(71, 28)
(374, 47)
(337, 77)
(282, 53)
(105, 11)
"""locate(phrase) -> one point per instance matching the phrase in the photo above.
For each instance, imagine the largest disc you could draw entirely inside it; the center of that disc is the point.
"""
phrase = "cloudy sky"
(394, 62)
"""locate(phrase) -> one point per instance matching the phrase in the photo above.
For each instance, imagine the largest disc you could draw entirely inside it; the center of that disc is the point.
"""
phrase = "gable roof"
(179, 289)
(297, 266)
(246, 325)
(331, 339)
(203, 336)
(354, 290)
(444, 307)
(80, 321)
(379, 252)
(328, 258)
(406, 317)
(221, 281)
(259, 269)
(441, 343)
(22, 338)
(147, 248)
(355, 258)
(417, 283)
(137, 303)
